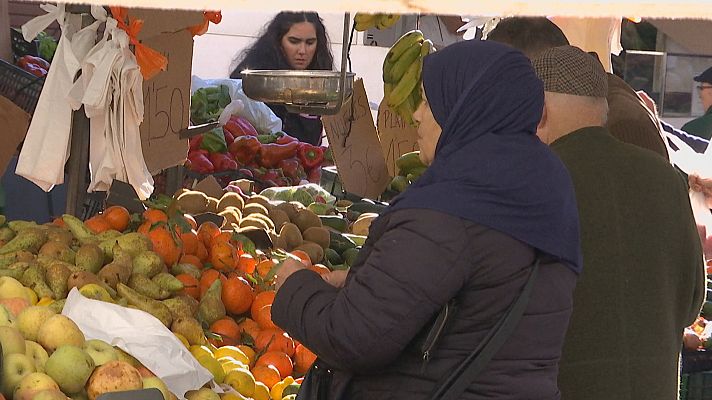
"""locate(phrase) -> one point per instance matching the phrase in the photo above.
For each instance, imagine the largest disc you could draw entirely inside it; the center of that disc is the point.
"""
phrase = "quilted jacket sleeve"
(413, 269)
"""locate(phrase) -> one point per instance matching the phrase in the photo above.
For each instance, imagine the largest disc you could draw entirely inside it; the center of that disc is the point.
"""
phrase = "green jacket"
(643, 278)
(701, 126)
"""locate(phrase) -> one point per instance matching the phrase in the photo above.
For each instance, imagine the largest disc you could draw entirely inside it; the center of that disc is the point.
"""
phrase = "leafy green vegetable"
(206, 104)
(214, 141)
(47, 47)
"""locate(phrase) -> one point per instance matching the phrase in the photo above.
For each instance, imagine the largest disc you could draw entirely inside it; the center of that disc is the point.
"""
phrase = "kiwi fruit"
(252, 208)
(278, 217)
(292, 236)
(289, 209)
(192, 202)
(212, 205)
(230, 199)
(231, 217)
(255, 222)
(306, 219)
(259, 199)
(318, 235)
(315, 252)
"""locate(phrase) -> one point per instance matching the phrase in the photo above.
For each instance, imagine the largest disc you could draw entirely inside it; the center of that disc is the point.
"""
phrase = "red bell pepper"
(291, 168)
(239, 126)
(245, 149)
(222, 162)
(200, 163)
(272, 154)
(314, 175)
(283, 138)
(195, 142)
(229, 138)
(310, 156)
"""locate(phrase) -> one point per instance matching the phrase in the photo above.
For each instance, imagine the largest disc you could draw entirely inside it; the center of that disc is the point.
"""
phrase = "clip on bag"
(317, 381)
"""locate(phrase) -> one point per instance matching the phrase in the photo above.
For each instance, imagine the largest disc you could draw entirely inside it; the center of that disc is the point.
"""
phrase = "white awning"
(588, 8)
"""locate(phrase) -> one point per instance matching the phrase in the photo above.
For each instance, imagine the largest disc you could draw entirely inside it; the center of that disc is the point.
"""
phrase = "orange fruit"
(250, 327)
(223, 256)
(144, 228)
(153, 215)
(262, 299)
(191, 259)
(264, 266)
(202, 252)
(191, 221)
(267, 374)
(191, 286)
(59, 222)
(209, 276)
(97, 224)
(246, 264)
(303, 359)
(118, 217)
(190, 242)
(222, 237)
(165, 244)
(277, 359)
(302, 256)
(275, 340)
(237, 295)
(263, 317)
(320, 269)
(206, 232)
(228, 329)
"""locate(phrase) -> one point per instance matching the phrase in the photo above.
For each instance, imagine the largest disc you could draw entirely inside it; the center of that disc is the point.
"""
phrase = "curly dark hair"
(266, 52)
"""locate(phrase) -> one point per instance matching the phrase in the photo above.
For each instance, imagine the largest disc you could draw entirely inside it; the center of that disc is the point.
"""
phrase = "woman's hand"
(336, 278)
(703, 186)
(289, 266)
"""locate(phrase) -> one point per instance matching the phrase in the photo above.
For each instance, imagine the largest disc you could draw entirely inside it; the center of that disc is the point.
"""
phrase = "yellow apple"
(37, 353)
(57, 331)
(70, 366)
(14, 368)
(31, 319)
(11, 287)
(32, 384)
(11, 340)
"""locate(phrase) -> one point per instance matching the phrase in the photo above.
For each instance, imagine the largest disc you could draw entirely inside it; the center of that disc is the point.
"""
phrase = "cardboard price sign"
(166, 97)
(397, 136)
(15, 123)
(357, 150)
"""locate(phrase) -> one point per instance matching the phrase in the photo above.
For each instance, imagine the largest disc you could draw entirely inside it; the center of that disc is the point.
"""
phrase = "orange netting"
(149, 61)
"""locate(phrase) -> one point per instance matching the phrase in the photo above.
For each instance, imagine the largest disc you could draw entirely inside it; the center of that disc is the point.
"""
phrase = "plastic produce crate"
(20, 86)
(20, 46)
(696, 386)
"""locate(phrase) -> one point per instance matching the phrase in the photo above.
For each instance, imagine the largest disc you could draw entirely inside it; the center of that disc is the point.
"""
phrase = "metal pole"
(78, 162)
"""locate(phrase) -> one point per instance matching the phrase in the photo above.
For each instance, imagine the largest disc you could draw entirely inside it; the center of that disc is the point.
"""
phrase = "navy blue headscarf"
(489, 165)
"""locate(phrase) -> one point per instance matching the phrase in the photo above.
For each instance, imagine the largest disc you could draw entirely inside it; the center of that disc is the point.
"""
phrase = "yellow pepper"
(277, 389)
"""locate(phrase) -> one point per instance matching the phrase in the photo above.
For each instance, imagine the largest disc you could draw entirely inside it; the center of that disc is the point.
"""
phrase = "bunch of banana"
(365, 22)
(401, 73)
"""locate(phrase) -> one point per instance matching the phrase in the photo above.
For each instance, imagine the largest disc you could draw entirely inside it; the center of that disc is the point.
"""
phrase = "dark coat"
(414, 262)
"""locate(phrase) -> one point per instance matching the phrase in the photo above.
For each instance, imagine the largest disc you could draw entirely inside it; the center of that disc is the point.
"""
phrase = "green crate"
(696, 386)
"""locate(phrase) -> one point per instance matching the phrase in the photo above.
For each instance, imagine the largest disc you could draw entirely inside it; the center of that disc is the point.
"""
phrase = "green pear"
(145, 286)
(190, 328)
(58, 251)
(182, 306)
(90, 257)
(29, 239)
(16, 270)
(211, 307)
(151, 306)
(56, 276)
(70, 366)
(168, 282)
(60, 235)
(33, 278)
(188, 269)
(147, 263)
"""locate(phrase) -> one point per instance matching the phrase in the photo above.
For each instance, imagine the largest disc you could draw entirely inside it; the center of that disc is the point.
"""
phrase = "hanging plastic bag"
(259, 115)
(46, 147)
(150, 61)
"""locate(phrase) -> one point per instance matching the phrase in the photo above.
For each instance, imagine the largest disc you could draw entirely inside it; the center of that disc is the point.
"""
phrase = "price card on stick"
(397, 136)
(356, 148)
(166, 97)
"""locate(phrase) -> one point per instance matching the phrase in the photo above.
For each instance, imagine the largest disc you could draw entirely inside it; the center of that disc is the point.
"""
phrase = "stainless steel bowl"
(315, 92)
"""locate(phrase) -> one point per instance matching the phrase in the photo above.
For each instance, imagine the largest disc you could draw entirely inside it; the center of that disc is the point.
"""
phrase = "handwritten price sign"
(397, 137)
(357, 150)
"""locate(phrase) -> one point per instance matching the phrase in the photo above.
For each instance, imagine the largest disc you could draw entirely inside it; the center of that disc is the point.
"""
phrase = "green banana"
(416, 97)
(386, 21)
(387, 89)
(407, 109)
(405, 86)
(403, 44)
(401, 66)
(364, 21)
(426, 48)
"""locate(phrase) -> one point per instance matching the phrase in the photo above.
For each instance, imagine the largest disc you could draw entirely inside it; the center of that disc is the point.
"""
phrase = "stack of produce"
(410, 168)
(208, 285)
(402, 69)
(272, 159)
(364, 21)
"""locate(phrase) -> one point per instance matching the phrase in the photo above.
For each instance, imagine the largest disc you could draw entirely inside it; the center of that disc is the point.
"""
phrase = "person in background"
(297, 41)
(643, 278)
(697, 144)
(493, 198)
(702, 126)
(628, 118)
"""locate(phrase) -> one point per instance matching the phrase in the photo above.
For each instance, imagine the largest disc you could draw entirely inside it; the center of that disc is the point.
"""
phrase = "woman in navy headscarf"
(493, 200)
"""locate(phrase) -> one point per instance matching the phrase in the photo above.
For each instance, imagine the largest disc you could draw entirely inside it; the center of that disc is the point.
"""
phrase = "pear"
(28, 239)
(153, 307)
(211, 307)
(83, 278)
(147, 263)
(168, 282)
(185, 268)
(58, 251)
(59, 235)
(6, 234)
(134, 243)
(90, 257)
(119, 270)
(15, 270)
(33, 278)
(145, 286)
(182, 306)
(57, 305)
(11, 258)
(190, 329)
(56, 276)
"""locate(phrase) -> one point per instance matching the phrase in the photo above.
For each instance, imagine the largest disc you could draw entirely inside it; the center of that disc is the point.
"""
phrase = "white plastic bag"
(46, 147)
(256, 112)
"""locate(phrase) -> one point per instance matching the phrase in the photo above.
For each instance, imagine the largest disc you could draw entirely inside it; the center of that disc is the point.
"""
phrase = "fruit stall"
(184, 236)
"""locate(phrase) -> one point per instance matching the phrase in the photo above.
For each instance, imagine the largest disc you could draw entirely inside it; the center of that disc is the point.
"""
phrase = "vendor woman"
(292, 40)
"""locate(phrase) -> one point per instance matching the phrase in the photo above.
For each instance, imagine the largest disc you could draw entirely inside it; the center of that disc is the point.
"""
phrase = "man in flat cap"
(702, 126)
(642, 280)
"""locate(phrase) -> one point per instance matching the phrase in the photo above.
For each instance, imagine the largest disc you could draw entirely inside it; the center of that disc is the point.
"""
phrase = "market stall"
(200, 197)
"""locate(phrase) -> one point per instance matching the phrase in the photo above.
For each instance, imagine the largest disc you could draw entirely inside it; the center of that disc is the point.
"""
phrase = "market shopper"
(493, 197)
(292, 40)
(702, 126)
(629, 119)
(643, 279)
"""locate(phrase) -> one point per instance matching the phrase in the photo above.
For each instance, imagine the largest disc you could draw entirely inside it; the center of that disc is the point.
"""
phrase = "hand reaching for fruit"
(336, 278)
(289, 266)
(702, 185)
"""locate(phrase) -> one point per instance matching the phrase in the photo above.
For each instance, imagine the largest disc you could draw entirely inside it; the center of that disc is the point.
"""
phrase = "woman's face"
(428, 131)
(299, 45)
